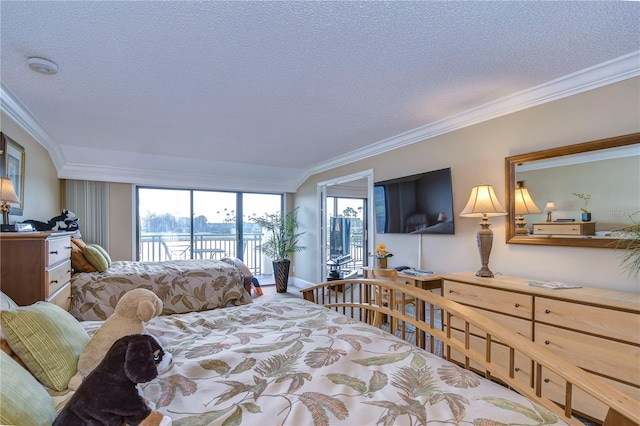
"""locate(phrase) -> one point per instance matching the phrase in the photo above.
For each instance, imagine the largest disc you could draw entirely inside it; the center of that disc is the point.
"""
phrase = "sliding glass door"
(178, 224)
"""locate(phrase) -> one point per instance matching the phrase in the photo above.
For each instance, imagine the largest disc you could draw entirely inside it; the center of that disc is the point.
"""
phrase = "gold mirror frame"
(510, 185)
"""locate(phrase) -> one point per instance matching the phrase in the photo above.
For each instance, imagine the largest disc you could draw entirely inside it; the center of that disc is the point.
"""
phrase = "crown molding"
(14, 109)
(174, 179)
(613, 71)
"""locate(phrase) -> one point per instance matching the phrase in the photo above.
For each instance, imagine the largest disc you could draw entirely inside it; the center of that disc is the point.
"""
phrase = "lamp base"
(521, 226)
(7, 228)
(484, 238)
(484, 272)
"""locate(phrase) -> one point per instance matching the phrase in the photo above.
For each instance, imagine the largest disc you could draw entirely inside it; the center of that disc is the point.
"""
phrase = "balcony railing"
(158, 247)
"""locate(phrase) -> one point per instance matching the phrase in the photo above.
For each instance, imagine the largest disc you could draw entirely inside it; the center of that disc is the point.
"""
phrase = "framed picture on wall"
(12, 159)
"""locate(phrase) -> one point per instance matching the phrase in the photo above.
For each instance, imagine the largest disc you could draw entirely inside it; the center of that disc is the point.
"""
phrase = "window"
(178, 224)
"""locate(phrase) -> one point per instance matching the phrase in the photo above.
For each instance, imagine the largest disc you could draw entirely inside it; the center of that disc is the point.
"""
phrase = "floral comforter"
(292, 362)
(183, 286)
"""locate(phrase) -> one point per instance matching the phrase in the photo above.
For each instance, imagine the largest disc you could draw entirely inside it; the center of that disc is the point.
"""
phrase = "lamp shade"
(7, 193)
(483, 201)
(524, 202)
(550, 206)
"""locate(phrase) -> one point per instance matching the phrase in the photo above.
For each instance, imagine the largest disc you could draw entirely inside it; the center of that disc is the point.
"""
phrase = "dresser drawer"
(57, 249)
(499, 354)
(570, 228)
(56, 277)
(606, 322)
(62, 297)
(614, 359)
(553, 387)
(521, 326)
(506, 302)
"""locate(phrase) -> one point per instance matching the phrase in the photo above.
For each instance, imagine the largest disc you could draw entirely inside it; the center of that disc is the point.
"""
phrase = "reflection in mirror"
(579, 195)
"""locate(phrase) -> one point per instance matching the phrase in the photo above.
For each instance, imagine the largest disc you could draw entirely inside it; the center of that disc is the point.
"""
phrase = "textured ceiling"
(261, 94)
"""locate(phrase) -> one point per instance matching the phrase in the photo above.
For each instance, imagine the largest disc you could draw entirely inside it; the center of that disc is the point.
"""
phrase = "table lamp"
(483, 203)
(551, 206)
(7, 195)
(524, 205)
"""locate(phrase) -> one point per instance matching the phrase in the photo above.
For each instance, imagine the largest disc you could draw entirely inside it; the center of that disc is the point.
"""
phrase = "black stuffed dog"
(66, 221)
(109, 395)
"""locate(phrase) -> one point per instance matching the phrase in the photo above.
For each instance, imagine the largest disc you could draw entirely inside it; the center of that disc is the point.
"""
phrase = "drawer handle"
(547, 311)
(53, 252)
(54, 282)
(546, 380)
(517, 305)
(69, 247)
(516, 369)
(450, 291)
(547, 342)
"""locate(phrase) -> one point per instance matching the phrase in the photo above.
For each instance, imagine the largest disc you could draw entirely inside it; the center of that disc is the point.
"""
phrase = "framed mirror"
(601, 177)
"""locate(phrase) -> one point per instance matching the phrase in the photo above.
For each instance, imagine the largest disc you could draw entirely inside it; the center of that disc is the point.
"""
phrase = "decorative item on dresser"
(36, 266)
(595, 329)
(483, 203)
(381, 254)
(549, 208)
(7, 195)
(524, 205)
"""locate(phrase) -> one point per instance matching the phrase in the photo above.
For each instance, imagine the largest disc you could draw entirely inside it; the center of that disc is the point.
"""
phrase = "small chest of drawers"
(564, 228)
(36, 266)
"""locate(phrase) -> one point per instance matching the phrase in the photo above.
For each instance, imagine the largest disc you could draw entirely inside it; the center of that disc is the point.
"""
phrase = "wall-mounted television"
(416, 204)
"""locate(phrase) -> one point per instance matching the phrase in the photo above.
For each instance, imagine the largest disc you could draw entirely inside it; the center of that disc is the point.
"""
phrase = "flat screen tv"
(416, 204)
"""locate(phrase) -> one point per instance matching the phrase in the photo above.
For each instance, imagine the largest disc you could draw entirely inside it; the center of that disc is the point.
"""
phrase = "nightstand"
(36, 266)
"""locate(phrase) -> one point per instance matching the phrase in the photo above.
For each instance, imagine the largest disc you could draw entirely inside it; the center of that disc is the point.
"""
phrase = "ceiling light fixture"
(42, 65)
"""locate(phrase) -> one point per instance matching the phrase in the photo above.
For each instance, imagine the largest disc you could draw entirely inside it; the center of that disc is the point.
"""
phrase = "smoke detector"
(42, 65)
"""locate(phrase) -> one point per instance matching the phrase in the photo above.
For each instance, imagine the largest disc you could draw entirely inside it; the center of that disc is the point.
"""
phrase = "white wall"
(476, 155)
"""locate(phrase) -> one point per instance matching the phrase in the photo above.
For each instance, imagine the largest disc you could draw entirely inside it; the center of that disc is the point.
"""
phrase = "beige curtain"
(89, 200)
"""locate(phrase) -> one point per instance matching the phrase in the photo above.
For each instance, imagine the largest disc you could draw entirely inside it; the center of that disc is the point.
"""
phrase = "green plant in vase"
(586, 214)
(282, 241)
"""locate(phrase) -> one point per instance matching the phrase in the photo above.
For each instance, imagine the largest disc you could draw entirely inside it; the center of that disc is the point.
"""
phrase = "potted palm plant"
(281, 243)
(630, 258)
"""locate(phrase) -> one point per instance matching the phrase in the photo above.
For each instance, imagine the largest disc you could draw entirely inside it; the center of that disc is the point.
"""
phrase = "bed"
(182, 285)
(297, 362)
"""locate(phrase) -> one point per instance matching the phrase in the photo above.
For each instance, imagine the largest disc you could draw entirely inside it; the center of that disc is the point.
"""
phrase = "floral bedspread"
(182, 285)
(291, 362)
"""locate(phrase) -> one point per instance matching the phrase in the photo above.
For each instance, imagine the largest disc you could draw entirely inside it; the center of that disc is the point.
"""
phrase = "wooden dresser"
(36, 266)
(595, 329)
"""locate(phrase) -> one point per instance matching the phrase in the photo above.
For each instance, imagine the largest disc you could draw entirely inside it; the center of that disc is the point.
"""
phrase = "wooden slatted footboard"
(424, 323)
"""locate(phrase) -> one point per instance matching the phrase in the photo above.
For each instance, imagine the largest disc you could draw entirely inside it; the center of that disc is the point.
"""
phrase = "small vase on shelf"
(382, 263)
(586, 217)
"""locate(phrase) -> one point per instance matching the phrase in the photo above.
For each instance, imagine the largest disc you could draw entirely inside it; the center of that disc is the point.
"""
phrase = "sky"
(207, 203)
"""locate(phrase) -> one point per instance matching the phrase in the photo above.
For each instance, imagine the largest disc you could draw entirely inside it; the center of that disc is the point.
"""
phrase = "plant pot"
(381, 263)
(281, 274)
(586, 217)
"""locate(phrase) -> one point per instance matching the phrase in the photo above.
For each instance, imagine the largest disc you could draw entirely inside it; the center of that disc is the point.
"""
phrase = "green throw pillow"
(47, 339)
(95, 258)
(23, 401)
(104, 253)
